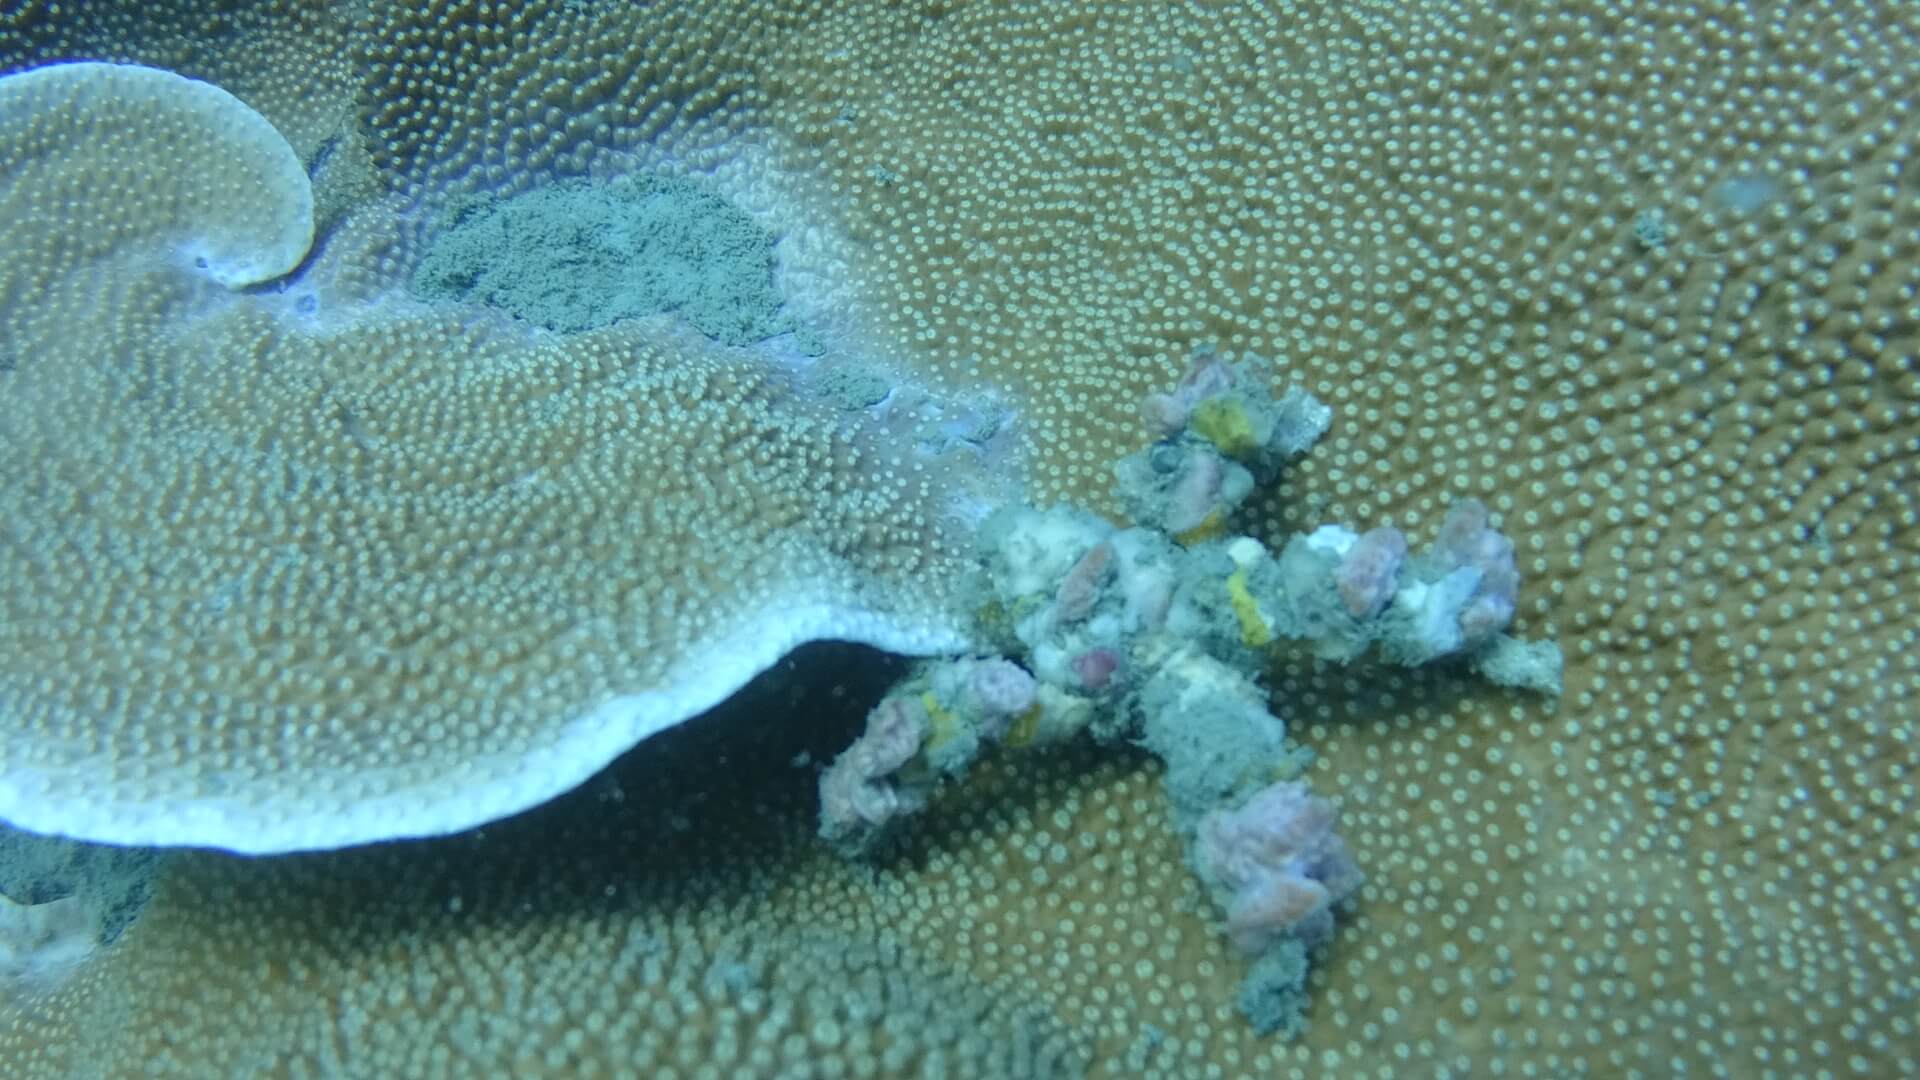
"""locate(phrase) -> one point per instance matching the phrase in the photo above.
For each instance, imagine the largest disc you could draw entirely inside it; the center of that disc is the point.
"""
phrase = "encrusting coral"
(411, 585)
(1636, 276)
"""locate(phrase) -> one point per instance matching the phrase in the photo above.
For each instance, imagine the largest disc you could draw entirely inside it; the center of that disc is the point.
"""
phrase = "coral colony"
(402, 427)
(1157, 634)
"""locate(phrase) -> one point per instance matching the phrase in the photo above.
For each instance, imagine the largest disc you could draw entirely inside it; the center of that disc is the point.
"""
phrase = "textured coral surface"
(1642, 277)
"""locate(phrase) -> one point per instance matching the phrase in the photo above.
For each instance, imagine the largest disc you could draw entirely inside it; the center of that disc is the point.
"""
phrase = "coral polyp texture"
(644, 927)
(1639, 278)
(297, 568)
(199, 177)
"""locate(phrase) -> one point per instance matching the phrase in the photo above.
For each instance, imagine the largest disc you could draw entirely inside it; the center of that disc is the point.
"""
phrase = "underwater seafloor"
(505, 515)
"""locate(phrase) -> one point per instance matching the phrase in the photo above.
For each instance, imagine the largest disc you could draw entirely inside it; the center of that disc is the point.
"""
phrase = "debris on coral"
(1157, 635)
(41, 945)
(111, 883)
(936, 723)
(1275, 865)
(861, 793)
(1223, 432)
(61, 901)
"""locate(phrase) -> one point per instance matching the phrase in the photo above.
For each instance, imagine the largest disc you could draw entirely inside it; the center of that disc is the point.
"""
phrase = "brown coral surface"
(1644, 278)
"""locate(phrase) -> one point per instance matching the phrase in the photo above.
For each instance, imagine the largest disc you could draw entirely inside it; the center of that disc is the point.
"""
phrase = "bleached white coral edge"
(491, 788)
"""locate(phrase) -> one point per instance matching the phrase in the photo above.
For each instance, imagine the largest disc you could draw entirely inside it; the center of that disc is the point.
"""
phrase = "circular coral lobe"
(137, 158)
